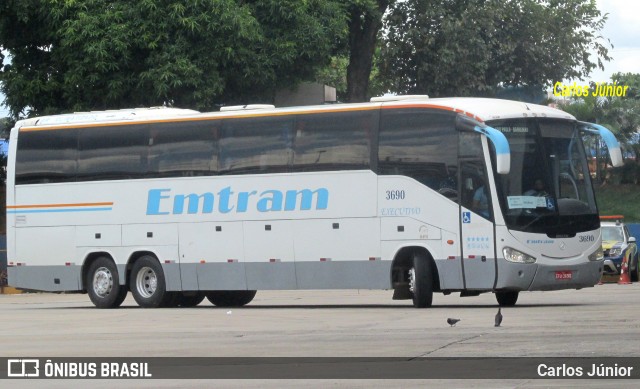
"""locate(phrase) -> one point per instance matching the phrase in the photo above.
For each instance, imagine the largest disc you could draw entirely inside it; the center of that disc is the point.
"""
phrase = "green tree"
(97, 54)
(632, 80)
(365, 22)
(471, 47)
(335, 74)
(619, 114)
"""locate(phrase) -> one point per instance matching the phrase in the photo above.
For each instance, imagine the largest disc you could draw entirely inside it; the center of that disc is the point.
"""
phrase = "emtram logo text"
(165, 202)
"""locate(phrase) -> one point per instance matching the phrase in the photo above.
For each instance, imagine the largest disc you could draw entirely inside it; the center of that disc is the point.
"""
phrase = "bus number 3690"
(395, 195)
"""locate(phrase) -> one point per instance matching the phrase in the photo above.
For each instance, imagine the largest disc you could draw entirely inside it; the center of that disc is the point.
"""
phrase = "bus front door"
(477, 228)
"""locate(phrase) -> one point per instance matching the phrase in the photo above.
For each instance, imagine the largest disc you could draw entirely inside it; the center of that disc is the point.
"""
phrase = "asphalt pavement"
(595, 322)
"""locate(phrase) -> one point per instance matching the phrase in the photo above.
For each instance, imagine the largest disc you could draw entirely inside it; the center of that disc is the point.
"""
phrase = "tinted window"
(46, 156)
(420, 144)
(333, 141)
(328, 141)
(113, 153)
(184, 148)
(261, 145)
(470, 145)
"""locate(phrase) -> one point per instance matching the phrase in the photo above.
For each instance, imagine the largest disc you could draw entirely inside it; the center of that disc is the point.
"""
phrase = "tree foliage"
(620, 114)
(335, 74)
(354, 67)
(632, 80)
(469, 47)
(99, 54)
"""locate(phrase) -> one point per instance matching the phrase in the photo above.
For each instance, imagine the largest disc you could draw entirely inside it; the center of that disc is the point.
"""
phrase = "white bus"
(416, 195)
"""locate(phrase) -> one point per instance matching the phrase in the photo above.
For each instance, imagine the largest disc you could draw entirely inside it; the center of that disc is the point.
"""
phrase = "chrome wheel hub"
(146, 282)
(102, 282)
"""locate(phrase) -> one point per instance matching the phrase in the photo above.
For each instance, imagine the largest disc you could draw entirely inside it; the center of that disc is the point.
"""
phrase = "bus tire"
(190, 300)
(147, 283)
(171, 300)
(507, 298)
(421, 281)
(102, 284)
(231, 298)
(122, 295)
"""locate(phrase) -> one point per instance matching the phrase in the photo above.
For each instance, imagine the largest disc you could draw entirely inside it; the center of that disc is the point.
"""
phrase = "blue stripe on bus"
(60, 210)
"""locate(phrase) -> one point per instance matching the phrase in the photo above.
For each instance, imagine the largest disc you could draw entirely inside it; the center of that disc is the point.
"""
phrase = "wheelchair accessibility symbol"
(466, 217)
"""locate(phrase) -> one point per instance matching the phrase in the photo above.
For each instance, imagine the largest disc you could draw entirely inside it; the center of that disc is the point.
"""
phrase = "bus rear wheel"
(421, 281)
(102, 284)
(231, 298)
(189, 300)
(147, 283)
(507, 298)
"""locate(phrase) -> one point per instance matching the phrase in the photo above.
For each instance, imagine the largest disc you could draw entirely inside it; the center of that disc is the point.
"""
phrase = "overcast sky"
(622, 28)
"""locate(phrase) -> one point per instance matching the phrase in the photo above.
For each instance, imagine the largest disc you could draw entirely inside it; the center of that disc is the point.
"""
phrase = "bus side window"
(256, 145)
(333, 141)
(113, 153)
(183, 149)
(47, 156)
(421, 144)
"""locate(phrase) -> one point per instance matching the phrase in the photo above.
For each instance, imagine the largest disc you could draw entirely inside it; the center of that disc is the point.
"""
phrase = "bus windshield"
(548, 189)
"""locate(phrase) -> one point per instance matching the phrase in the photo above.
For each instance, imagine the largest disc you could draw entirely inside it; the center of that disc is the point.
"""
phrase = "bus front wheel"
(421, 281)
(147, 283)
(507, 298)
(231, 298)
(102, 284)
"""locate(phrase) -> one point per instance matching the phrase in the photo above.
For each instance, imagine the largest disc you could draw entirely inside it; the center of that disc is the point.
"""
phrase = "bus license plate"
(564, 275)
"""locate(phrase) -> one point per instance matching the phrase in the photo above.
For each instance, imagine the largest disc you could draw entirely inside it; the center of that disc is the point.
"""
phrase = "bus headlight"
(513, 255)
(597, 255)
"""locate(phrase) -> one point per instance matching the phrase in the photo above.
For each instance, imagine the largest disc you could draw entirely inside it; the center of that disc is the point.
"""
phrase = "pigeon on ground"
(498, 318)
(452, 322)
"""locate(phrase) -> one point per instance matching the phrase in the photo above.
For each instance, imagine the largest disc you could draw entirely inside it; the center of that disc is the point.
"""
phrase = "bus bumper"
(537, 276)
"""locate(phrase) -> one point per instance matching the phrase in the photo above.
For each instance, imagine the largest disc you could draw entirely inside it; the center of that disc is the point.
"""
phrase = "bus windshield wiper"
(537, 218)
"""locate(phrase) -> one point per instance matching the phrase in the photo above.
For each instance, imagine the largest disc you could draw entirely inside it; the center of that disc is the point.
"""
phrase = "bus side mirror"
(501, 145)
(609, 139)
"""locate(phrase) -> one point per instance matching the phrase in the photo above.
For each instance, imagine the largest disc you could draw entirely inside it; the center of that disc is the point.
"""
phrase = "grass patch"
(619, 200)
